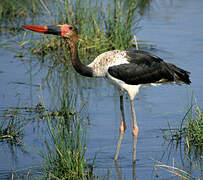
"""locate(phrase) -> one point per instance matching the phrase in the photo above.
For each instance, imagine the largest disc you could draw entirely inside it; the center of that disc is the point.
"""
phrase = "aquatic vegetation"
(190, 136)
(193, 130)
(14, 120)
(64, 153)
(190, 131)
(12, 11)
(172, 170)
(64, 157)
(11, 128)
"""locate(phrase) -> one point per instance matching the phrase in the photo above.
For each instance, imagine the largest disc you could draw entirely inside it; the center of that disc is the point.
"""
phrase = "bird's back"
(137, 67)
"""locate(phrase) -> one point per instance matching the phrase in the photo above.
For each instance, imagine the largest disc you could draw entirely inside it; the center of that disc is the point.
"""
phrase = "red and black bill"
(60, 30)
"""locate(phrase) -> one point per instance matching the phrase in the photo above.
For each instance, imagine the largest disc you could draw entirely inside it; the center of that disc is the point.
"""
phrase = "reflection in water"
(119, 172)
(12, 150)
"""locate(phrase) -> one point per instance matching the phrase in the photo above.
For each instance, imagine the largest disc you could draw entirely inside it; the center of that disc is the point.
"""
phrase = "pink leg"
(134, 130)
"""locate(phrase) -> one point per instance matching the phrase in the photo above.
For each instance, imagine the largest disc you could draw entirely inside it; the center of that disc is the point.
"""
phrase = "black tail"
(179, 75)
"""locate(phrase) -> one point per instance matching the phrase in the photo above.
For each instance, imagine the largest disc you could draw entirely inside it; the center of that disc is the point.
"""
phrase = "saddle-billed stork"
(128, 70)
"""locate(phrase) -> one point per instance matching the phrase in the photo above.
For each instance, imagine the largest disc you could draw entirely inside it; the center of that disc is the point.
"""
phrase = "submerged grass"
(11, 130)
(172, 170)
(64, 153)
(11, 127)
(14, 120)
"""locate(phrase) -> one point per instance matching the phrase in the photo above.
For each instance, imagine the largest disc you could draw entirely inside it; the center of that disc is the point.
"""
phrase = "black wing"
(144, 68)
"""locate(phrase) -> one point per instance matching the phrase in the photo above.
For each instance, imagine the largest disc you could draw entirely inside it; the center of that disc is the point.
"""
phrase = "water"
(175, 27)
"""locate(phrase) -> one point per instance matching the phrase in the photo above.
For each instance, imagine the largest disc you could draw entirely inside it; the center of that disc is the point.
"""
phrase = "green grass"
(64, 153)
(193, 130)
(190, 131)
(12, 10)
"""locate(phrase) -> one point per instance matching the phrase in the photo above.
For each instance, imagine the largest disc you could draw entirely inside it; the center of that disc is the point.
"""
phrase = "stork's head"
(68, 31)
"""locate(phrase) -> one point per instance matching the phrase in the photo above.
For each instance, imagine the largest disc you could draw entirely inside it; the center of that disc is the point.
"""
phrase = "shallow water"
(175, 27)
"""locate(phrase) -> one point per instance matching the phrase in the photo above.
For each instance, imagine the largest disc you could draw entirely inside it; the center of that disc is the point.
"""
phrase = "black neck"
(81, 68)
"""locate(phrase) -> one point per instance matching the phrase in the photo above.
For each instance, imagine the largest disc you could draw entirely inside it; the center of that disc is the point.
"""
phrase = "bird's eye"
(70, 27)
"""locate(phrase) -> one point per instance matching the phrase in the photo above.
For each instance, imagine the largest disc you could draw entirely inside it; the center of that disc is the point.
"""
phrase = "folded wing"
(144, 68)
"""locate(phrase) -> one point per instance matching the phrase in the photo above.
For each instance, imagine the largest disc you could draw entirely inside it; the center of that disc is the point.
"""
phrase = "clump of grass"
(193, 130)
(190, 131)
(64, 154)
